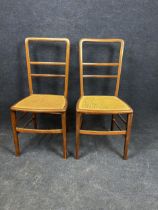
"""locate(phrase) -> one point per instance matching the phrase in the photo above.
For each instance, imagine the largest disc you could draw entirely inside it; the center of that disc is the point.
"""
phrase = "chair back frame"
(82, 63)
(66, 63)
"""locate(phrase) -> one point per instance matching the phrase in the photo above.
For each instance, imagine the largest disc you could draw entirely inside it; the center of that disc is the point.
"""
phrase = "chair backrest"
(118, 64)
(65, 63)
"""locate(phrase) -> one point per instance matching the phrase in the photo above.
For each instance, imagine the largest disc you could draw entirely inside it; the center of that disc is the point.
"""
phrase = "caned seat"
(42, 103)
(102, 104)
(105, 105)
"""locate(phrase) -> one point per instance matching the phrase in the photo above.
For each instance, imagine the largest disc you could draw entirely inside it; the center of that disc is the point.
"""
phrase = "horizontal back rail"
(48, 63)
(99, 76)
(100, 64)
(49, 75)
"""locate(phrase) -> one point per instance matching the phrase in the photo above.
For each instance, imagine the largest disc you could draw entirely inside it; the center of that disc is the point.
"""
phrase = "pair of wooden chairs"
(57, 104)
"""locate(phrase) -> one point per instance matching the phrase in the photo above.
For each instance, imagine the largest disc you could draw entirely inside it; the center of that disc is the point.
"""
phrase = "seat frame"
(33, 119)
(116, 114)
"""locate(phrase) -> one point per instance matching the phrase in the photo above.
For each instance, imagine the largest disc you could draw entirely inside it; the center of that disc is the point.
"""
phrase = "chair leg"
(81, 120)
(78, 124)
(15, 134)
(127, 137)
(34, 120)
(67, 123)
(64, 135)
(112, 123)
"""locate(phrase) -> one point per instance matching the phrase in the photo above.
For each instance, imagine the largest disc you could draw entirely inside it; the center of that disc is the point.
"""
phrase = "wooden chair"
(42, 103)
(103, 105)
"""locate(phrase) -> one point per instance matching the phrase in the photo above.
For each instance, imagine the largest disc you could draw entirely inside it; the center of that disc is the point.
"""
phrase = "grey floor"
(41, 180)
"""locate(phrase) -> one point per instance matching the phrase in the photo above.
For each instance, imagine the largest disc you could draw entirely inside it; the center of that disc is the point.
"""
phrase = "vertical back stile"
(67, 67)
(119, 67)
(28, 65)
(81, 67)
